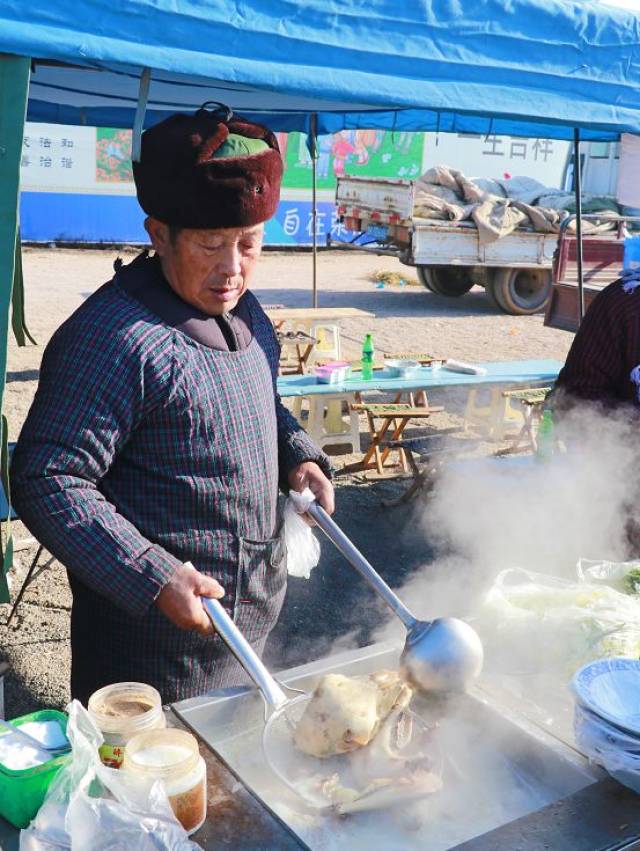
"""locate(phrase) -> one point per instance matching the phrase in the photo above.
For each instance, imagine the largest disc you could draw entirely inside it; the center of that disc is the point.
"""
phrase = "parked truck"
(516, 270)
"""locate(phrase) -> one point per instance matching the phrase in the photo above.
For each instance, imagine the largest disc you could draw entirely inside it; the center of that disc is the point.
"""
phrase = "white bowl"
(401, 368)
(610, 688)
(600, 734)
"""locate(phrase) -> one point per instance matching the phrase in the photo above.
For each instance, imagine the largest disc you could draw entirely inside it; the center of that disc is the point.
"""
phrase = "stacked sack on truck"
(498, 207)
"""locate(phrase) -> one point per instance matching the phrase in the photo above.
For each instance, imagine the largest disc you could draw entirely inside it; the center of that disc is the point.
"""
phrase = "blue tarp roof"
(515, 67)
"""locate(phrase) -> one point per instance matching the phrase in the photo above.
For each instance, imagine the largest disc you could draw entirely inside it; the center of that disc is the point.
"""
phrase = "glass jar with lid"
(121, 711)
(172, 756)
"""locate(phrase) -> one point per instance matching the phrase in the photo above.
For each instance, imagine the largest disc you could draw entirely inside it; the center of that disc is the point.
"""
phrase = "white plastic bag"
(532, 622)
(90, 806)
(622, 575)
(303, 548)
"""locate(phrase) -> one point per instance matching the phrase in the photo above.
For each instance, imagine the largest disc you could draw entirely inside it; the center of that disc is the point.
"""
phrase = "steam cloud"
(488, 514)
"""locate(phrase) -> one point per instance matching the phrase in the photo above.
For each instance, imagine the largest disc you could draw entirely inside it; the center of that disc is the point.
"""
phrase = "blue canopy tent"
(530, 67)
(546, 68)
(516, 67)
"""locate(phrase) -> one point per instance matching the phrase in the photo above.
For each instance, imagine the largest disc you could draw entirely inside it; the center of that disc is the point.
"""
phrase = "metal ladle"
(442, 655)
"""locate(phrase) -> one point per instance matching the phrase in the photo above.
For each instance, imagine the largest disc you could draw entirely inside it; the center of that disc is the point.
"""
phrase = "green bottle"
(545, 438)
(367, 358)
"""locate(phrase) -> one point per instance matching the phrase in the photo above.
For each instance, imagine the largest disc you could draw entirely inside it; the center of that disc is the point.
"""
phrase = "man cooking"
(150, 460)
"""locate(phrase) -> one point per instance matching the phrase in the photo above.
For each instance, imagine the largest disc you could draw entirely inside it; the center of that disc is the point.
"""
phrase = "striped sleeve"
(96, 385)
(295, 446)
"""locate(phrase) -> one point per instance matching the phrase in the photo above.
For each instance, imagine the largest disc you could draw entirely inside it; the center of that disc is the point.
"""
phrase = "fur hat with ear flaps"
(209, 170)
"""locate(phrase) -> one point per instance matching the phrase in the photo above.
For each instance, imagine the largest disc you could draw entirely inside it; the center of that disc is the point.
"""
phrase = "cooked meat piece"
(345, 713)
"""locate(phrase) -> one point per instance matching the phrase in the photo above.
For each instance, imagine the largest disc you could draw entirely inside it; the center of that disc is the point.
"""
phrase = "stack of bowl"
(607, 716)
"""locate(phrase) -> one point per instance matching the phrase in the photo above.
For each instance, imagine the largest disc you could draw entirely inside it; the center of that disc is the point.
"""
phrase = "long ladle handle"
(355, 558)
(244, 653)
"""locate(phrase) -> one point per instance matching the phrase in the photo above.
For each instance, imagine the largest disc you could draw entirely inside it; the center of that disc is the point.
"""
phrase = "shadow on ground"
(19, 698)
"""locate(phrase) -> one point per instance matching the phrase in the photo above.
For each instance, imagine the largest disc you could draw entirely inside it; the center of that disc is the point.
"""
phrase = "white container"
(401, 368)
(172, 756)
(121, 711)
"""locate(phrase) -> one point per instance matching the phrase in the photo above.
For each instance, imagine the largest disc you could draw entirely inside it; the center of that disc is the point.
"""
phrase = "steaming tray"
(512, 784)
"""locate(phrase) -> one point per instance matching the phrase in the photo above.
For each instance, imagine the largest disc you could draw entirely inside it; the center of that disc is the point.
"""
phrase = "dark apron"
(220, 486)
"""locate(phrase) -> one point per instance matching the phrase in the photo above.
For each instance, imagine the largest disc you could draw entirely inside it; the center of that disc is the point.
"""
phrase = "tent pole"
(141, 108)
(577, 184)
(314, 202)
(14, 89)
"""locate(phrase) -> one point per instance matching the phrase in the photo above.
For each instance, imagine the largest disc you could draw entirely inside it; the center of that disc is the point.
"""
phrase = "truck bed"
(384, 208)
(449, 244)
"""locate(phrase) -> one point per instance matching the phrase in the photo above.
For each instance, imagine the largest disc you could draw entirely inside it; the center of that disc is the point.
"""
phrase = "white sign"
(61, 158)
(479, 155)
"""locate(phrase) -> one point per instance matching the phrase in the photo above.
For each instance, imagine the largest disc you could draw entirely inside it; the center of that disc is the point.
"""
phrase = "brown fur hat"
(181, 182)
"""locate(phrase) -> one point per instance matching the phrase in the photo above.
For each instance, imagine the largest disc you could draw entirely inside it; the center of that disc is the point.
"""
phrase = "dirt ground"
(332, 604)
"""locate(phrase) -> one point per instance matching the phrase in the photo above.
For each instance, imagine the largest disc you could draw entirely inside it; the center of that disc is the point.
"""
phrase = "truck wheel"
(521, 292)
(446, 280)
(424, 277)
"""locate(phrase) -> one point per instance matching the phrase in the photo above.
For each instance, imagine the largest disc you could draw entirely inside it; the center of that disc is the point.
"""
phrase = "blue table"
(505, 372)
(330, 429)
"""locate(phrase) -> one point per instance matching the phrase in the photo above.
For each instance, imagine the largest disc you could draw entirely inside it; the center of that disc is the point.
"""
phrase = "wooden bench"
(423, 358)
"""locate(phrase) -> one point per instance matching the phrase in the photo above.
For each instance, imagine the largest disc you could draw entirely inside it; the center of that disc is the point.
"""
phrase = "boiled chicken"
(346, 713)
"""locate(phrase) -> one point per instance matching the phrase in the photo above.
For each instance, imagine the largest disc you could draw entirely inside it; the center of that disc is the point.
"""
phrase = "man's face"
(209, 269)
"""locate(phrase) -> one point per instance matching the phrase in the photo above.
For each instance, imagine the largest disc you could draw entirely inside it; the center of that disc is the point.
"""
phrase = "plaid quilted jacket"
(144, 449)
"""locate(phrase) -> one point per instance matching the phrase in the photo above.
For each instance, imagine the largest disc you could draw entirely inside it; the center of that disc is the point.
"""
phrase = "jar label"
(111, 755)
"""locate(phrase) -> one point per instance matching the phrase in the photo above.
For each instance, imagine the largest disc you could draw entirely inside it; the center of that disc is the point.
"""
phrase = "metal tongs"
(442, 655)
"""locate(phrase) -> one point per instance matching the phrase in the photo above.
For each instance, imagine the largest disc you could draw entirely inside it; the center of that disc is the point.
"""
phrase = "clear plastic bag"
(532, 622)
(303, 548)
(621, 575)
(90, 806)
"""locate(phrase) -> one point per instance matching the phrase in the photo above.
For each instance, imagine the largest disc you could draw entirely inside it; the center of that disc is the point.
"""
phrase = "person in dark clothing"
(601, 376)
(151, 458)
(603, 364)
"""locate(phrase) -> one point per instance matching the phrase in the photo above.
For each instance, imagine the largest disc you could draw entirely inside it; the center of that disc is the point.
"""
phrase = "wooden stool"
(397, 415)
(296, 348)
(531, 400)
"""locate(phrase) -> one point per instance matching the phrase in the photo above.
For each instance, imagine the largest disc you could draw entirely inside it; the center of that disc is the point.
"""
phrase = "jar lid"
(124, 705)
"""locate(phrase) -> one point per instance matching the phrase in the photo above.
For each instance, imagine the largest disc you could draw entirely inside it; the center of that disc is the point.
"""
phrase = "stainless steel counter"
(513, 785)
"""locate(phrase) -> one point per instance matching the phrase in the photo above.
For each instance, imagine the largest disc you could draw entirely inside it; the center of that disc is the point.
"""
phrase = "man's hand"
(179, 600)
(309, 475)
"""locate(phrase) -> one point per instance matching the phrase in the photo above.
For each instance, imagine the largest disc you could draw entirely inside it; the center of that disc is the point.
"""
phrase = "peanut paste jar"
(121, 711)
(172, 756)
